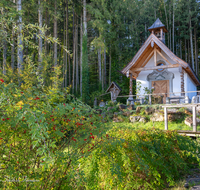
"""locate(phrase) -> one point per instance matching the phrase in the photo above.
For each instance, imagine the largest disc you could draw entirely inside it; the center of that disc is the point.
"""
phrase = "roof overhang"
(146, 52)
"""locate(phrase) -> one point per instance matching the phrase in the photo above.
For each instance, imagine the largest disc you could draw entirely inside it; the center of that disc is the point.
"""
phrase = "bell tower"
(159, 29)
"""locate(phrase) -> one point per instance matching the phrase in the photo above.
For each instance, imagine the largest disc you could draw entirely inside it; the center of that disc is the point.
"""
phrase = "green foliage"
(139, 159)
(44, 131)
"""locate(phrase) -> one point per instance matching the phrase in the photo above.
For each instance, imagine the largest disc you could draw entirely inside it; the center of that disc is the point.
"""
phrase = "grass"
(150, 124)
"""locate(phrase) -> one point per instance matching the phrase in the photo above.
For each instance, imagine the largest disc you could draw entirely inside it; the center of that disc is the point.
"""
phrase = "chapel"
(156, 67)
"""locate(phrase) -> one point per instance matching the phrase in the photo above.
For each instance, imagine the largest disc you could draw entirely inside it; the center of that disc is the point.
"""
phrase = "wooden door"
(161, 86)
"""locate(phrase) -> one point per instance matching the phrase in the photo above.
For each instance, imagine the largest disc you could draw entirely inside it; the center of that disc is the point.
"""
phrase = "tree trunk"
(74, 53)
(110, 67)
(46, 33)
(81, 43)
(170, 34)
(166, 20)
(13, 50)
(40, 34)
(66, 43)
(145, 31)
(99, 64)
(55, 33)
(104, 67)
(189, 61)
(180, 48)
(102, 73)
(173, 26)
(77, 74)
(4, 53)
(19, 39)
(191, 43)
(84, 17)
(185, 50)
(196, 50)
(64, 54)
(85, 71)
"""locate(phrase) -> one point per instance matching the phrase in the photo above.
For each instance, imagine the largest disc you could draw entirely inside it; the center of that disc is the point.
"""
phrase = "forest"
(91, 41)
(56, 56)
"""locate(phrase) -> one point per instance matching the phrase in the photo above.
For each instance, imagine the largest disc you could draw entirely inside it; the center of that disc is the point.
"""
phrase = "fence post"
(149, 99)
(95, 102)
(166, 118)
(194, 119)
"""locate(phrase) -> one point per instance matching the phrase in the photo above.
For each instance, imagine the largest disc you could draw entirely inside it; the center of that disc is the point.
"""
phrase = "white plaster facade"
(176, 81)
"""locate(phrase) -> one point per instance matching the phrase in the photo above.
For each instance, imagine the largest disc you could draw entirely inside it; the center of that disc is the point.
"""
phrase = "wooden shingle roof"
(113, 83)
(157, 24)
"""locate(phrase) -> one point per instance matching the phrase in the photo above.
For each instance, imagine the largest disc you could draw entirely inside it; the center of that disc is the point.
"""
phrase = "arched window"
(160, 64)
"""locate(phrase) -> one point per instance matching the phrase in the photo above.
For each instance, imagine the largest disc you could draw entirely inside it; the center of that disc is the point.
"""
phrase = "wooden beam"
(163, 57)
(133, 73)
(158, 48)
(154, 68)
(155, 57)
(147, 59)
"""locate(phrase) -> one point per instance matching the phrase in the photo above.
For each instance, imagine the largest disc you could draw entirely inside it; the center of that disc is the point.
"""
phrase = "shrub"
(140, 159)
(42, 135)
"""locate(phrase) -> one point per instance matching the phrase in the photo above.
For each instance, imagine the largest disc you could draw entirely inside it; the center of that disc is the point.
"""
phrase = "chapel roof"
(157, 24)
(146, 52)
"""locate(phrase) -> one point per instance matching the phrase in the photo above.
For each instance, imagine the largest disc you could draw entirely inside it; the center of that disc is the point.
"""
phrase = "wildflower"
(21, 92)
(7, 118)
(3, 119)
(85, 139)
(53, 119)
(90, 133)
(37, 98)
(91, 123)
(0, 131)
(17, 162)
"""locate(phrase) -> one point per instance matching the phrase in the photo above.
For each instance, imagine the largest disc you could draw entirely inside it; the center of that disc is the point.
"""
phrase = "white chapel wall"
(142, 77)
(189, 86)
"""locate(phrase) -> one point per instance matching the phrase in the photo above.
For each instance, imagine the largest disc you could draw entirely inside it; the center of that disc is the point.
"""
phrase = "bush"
(140, 159)
(42, 135)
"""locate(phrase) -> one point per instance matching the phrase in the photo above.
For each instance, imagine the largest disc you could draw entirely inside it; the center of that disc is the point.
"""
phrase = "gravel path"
(193, 179)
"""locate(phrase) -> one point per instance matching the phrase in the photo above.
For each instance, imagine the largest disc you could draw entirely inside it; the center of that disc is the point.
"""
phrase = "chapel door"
(161, 86)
